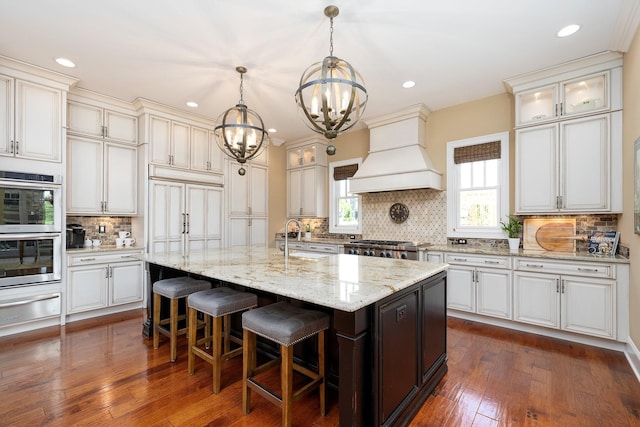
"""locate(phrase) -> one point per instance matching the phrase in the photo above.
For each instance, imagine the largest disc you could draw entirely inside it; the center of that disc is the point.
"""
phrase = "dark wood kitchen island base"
(385, 358)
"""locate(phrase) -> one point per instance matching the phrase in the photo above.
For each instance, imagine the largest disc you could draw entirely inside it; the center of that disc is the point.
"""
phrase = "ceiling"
(173, 51)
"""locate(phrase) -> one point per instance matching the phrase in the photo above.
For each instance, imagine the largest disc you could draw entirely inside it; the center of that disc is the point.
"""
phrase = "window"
(345, 214)
(478, 186)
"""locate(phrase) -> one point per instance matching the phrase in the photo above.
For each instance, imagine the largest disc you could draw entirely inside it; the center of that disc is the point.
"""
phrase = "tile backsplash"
(112, 226)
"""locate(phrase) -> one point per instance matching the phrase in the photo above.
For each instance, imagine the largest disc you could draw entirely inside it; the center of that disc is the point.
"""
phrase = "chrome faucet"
(286, 235)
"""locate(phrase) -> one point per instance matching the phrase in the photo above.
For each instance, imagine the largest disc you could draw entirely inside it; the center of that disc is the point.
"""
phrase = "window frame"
(333, 200)
(453, 188)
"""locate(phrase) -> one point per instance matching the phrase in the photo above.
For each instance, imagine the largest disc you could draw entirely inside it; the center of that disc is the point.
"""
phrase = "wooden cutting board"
(558, 235)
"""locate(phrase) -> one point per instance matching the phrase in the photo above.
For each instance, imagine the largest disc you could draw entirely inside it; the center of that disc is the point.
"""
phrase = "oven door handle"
(14, 303)
(29, 236)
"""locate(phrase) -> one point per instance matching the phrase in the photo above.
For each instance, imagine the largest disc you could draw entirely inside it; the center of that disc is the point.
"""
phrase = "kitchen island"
(388, 327)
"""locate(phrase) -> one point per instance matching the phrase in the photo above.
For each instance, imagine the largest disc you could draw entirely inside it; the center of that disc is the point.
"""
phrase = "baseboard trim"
(633, 357)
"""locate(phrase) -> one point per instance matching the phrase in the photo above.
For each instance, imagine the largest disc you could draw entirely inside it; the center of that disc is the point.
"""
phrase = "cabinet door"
(588, 306)
(536, 169)
(259, 190)
(536, 299)
(6, 115)
(121, 127)
(160, 140)
(461, 288)
(38, 133)
(309, 191)
(204, 207)
(87, 288)
(584, 164)
(216, 156)
(126, 282)
(238, 190)
(120, 190)
(537, 105)
(167, 216)
(258, 230)
(84, 119)
(238, 232)
(84, 176)
(586, 94)
(180, 134)
(199, 149)
(493, 289)
(294, 186)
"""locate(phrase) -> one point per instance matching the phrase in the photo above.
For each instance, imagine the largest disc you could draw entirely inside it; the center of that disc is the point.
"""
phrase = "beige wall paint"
(631, 131)
(277, 191)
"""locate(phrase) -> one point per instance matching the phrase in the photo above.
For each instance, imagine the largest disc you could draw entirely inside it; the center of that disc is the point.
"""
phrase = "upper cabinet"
(587, 86)
(307, 178)
(169, 142)
(569, 137)
(97, 122)
(205, 154)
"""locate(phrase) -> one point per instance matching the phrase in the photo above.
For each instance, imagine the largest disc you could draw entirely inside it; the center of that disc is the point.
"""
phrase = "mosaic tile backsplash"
(112, 226)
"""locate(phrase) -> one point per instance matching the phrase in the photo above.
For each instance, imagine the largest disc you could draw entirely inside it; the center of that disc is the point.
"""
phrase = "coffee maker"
(75, 236)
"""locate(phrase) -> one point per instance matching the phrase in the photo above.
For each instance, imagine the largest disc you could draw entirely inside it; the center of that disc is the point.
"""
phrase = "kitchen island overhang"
(388, 318)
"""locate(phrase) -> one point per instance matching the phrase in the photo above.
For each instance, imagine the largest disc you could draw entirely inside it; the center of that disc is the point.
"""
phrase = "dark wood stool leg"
(248, 366)
(286, 373)
(321, 367)
(217, 353)
(156, 319)
(192, 328)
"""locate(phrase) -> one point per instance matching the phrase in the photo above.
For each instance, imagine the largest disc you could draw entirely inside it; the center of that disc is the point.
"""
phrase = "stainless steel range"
(383, 248)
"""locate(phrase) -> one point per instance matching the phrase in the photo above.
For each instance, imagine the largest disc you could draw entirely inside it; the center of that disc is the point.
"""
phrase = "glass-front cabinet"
(566, 99)
(304, 156)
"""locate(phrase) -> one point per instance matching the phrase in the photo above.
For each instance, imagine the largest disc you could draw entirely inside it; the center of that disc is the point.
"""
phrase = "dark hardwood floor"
(103, 372)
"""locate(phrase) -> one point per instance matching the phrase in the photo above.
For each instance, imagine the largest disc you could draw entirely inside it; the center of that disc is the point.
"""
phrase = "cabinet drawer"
(477, 260)
(101, 258)
(593, 269)
(329, 249)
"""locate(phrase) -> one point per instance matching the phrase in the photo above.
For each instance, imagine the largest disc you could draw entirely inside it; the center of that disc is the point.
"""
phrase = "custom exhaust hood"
(398, 158)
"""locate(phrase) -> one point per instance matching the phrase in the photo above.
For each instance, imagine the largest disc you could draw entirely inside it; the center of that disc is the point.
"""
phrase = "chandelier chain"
(241, 88)
(331, 37)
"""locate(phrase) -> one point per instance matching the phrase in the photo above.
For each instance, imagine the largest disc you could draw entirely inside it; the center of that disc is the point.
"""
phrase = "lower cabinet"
(97, 281)
(474, 286)
(584, 303)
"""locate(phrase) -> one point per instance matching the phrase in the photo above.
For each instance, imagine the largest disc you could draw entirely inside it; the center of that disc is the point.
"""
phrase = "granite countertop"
(567, 256)
(343, 282)
(103, 248)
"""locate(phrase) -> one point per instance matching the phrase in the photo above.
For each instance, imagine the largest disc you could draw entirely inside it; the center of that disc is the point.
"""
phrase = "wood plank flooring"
(104, 372)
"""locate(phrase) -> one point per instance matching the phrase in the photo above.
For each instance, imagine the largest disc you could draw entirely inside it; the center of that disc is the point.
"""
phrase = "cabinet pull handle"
(126, 256)
(562, 287)
(17, 150)
(534, 265)
(486, 261)
(557, 285)
(590, 270)
(106, 272)
(188, 223)
(250, 211)
(561, 108)
(184, 223)
(87, 259)
(11, 147)
(460, 259)
(105, 131)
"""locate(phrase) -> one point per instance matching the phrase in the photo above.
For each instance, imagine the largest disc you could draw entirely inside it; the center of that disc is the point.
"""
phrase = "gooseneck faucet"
(286, 235)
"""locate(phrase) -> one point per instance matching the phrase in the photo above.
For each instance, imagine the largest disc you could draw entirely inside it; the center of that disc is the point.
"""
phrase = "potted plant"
(512, 227)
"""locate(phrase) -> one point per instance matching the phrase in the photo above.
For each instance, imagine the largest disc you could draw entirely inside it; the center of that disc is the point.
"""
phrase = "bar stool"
(174, 289)
(286, 325)
(217, 304)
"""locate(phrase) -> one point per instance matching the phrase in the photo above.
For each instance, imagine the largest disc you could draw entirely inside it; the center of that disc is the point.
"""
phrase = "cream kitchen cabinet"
(206, 156)
(570, 167)
(307, 179)
(102, 280)
(184, 217)
(169, 142)
(575, 297)
(102, 123)
(479, 284)
(248, 197)
(31, 120)
(101, 177)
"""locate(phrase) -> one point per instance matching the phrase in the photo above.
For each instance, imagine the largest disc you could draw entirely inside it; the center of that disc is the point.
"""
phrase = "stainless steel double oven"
(30, 229)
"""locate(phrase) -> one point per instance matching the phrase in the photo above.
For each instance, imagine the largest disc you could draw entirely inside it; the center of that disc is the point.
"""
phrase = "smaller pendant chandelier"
(241, 134)
(331, 96)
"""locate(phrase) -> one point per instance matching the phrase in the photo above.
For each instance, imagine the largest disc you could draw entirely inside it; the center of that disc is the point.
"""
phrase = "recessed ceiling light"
(65, 62)
(568, 30)
(192, 104)
(272, 130)
(408, 84)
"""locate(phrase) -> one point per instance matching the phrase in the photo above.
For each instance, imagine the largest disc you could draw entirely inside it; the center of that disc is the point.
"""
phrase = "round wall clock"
(399, 213)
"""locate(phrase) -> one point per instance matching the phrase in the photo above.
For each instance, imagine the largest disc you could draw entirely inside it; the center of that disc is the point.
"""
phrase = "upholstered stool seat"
(217, 304)
(286, 325)
(174, 289)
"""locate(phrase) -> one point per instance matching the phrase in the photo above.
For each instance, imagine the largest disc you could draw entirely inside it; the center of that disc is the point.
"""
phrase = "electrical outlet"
(352, 236)
(462, 241)
(102, 229)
